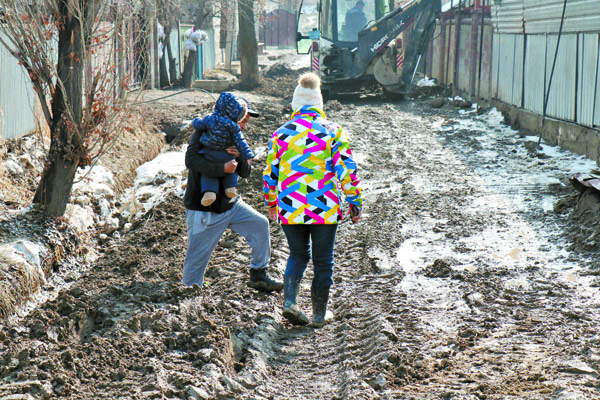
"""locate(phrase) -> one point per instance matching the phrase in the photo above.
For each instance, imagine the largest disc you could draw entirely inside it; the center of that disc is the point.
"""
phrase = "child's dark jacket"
(221, 129)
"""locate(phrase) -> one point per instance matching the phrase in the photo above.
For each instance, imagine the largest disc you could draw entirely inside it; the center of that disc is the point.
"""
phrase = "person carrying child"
(221, 131)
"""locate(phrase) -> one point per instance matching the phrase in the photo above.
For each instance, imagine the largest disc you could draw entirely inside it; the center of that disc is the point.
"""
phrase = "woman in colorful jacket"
(309, 160)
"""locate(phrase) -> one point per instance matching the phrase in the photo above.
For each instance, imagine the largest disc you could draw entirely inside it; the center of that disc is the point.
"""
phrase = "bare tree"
(73, 51)
(247, 44)
(201, 12)
(204, 12)
(167, 12)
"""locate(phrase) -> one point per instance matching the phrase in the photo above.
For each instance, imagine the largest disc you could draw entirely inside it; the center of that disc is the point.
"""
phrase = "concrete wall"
(573, 137)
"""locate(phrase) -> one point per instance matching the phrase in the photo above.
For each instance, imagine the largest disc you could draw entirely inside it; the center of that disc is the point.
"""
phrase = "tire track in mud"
(354, 357)
(425, 307)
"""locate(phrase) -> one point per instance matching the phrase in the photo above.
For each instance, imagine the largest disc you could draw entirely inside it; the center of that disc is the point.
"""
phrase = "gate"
(278, 29)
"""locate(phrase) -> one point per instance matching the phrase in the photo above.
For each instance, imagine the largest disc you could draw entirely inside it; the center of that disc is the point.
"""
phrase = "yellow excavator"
(357, 43)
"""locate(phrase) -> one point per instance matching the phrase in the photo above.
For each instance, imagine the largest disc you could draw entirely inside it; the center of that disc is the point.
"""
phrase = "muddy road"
(472, 275)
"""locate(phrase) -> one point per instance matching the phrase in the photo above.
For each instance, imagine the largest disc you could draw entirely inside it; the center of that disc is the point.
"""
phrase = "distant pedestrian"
(309, 158)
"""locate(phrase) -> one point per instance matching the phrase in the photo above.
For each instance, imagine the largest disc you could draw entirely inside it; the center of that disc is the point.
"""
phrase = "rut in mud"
(462, 281)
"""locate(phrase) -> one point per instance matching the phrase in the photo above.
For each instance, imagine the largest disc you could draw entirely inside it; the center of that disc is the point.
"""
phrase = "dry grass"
(18, 280)
(139, 143)
(5, 186)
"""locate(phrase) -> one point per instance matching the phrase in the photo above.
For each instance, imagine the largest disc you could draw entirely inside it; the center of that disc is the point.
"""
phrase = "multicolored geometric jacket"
(309, 160)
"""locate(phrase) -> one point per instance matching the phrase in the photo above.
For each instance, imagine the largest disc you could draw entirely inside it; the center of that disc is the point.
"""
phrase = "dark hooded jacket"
(198, 165)
(221, 129)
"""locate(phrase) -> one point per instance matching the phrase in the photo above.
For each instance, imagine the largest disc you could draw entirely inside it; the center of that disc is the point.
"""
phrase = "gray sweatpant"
(204, 230)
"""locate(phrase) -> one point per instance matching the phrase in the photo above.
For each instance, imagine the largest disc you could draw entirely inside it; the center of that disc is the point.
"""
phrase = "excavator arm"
(371, 59)
(375, 37)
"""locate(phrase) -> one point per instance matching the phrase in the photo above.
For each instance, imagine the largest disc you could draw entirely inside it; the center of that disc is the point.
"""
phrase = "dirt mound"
(279, 70)
(48, 243)
(585, 230)
(422, 92)
(279, 81)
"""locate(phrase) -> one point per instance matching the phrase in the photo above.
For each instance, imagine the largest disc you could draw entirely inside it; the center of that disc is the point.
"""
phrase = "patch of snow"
(82, 218)
(426, 82)
(168, 166)
(12, 167)
(25, 254)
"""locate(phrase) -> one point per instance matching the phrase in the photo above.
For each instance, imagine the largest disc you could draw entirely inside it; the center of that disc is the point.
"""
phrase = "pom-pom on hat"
(308, 91)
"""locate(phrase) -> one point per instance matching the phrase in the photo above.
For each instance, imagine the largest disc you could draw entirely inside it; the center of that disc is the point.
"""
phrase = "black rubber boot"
(291, 312)
(260, 280)
(319, 296)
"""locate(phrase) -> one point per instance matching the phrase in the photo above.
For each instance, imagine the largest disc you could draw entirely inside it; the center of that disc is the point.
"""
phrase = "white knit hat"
(308, 91)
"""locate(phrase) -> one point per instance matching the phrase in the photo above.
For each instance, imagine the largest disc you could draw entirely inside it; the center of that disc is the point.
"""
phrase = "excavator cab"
(307, 25)
(337, 21)
(356, 43)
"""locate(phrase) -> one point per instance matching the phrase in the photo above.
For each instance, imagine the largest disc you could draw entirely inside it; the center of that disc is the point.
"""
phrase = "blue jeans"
(210, 184)
(204, 230)
(299, 238)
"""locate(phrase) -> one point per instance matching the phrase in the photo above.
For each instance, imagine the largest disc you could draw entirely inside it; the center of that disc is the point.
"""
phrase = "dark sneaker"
(260, 280)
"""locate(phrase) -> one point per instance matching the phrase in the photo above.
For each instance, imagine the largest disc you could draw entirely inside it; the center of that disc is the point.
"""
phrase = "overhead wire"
(175, 94)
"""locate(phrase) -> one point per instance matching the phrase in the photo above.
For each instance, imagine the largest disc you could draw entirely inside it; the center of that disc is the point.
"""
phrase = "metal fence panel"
(464, 62)
(596, 117)
(437, 60)
(587, 68)
(505, 67)
(495, 64)
(544, 16)
(176, 49)
(517, 76)
(535, 67)
(279, 29)
(17, 99)
(507, 17)
(597, 99)
(561, 100)
(209, 55)
(183, 28)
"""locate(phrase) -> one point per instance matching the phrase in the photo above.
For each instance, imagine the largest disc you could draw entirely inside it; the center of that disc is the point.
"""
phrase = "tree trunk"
(248, 45)
(188, 69)
(200, 15)
(66, 148)
(164, 73)
(172, 66)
